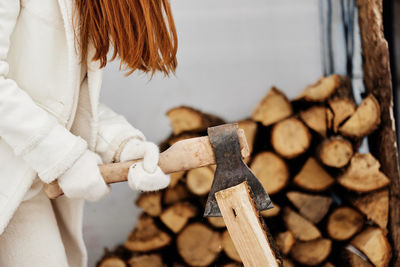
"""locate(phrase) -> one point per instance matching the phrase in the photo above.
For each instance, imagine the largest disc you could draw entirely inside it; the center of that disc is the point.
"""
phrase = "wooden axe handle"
(183, 155)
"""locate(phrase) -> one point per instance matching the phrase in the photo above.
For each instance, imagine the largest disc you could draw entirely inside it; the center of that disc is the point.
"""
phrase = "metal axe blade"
(231, 170)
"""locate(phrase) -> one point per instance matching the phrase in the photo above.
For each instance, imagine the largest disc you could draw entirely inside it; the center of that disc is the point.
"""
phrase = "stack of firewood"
(330, 202)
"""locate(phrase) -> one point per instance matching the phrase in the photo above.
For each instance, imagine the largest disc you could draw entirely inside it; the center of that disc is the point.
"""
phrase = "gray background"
(230, 53)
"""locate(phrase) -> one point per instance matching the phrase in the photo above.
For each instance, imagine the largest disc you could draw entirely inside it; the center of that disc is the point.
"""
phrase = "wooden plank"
(377, 79)
(244, 226)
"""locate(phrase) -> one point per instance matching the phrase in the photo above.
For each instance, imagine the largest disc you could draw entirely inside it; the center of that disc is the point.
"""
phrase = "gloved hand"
(83, 179)
(146, 175)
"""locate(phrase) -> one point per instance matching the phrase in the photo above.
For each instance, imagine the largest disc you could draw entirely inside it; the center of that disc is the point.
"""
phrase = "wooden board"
(377, 79)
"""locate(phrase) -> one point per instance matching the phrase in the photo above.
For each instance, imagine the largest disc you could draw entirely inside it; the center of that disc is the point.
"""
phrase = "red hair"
(141, 32)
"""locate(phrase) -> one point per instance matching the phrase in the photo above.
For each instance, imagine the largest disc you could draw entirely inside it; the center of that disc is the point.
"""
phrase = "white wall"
(230, 53)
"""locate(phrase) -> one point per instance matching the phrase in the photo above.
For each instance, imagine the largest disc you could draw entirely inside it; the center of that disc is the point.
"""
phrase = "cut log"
(274, 107)
(199, 180)
(217, 222)
(175, 178)
(290, 138)
(233, 264)
(363, 174)
(112, 262)
(176, 216)
(152, 260)
(353, 260)
(374, 244)
(250, 131)
(313, 177)
(183, 119)
(342, 109)
(229, 247)
(328, 264)
(301, 228)
(271, 212)
(271, 170)
(146, 236)
(150, 203)
(365, 119)
(315, 119)
(329, 119)
(311, 253)
(375, 206)
(175, 194)
(321, 90)
(335, 152)
(343, 223)
(313, 207)
(198, 245)
(284, 242)
(288, 263)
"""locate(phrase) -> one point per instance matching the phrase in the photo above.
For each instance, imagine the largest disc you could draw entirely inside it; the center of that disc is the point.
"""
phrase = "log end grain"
(290, 138)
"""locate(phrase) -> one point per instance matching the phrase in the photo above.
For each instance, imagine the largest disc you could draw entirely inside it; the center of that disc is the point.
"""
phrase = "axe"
(236, 194)
(183, 155)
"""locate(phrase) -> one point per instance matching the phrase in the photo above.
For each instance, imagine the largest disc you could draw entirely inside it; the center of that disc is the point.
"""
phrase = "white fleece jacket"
(47, 116)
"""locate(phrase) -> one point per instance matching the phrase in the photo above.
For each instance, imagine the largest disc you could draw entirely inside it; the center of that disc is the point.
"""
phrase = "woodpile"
(327, 197)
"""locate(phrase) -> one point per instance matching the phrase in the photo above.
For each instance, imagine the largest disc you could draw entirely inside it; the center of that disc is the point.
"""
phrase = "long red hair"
(141, 33)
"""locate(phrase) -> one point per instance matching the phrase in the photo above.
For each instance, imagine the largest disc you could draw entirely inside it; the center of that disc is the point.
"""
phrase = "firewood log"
(274, 107)
(112, 262)
(199, 180)
(198, 245)
(176, 216)
(315, 118)
(233, 264)
(301, 228)
(150, 203)
(175, 178)
(229, 247)
(365, 119)
(271, 170)
(285, 241)
(311, 253)
(328, 264)
(363, 174)
(312, 207)
(329, 119)
(271, 212)
(290, 138)
(343, 223)
(313, 177)
(335, 152)
(185, 119)
(175, 194)
(288, 263)
(250, 130)
(374, 244)
(321, 90)
(146, 236)
(342, 109)
(152, 260)
(375, 206)
(353, 260)
(217, 222)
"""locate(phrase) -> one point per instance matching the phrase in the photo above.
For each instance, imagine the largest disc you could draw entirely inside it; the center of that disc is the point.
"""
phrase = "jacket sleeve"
(113, 133)
(33, 134)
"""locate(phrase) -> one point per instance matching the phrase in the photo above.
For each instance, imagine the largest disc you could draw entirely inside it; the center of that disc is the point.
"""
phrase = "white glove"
(146, 175)
(83, 179)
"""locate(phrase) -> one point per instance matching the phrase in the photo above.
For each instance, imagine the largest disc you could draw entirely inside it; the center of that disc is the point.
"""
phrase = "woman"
(52, 125)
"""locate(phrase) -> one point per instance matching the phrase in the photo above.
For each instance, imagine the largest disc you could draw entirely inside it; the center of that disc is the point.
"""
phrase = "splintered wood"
(331, 203)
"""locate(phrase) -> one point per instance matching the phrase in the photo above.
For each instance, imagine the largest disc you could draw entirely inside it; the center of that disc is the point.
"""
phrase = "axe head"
(231, 170)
